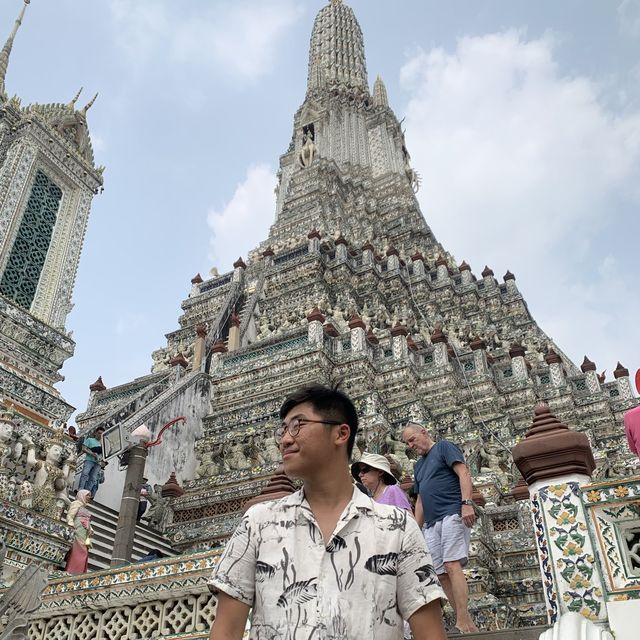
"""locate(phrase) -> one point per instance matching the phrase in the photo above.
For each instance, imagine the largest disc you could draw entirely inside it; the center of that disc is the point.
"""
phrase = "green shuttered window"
(22, 273)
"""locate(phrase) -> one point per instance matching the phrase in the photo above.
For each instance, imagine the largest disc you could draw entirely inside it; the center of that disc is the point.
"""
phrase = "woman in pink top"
(374, 472)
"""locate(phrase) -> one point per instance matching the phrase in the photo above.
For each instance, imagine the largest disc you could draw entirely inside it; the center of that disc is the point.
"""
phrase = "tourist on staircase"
(374, 471)
(79, 518)
(445, 512)
(93, 462)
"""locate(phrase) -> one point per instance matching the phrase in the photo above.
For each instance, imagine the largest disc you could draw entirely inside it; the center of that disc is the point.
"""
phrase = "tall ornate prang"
(352, 284)
(47, 181)
(48, 178)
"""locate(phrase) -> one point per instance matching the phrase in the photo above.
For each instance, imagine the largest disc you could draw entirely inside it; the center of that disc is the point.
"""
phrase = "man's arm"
(231, 618)
(426, 622)
(466, 489)
(419, 512)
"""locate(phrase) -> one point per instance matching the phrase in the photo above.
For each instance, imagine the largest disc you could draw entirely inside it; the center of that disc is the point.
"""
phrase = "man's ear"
(342, 433)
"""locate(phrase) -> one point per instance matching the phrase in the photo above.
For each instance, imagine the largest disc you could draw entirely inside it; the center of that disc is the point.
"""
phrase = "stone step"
(104, 522)
(524, 633)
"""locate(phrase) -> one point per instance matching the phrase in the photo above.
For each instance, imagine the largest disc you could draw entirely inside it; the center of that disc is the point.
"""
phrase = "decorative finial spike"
(6, 50)
(72, 104)
(88, 106)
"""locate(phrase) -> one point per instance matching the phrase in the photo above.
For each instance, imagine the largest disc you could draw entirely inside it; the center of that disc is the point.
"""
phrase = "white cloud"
(239, 39)
(243, 222)
(629, 17)
(525, 168)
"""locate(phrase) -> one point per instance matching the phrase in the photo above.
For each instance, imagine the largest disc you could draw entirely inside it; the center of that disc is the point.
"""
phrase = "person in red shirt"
(632, 429)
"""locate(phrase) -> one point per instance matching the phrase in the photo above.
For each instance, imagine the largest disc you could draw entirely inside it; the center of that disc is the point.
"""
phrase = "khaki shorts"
(448, 540)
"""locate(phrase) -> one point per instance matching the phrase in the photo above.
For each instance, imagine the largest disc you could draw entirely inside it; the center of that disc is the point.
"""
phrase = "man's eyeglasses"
(364, 468)
(294, 425)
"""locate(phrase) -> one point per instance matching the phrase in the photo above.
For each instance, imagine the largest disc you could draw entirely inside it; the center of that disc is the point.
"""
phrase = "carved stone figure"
(51, 478)
(7, 428)
(271, 451)
(158, 512)
(308, 151)
(205, 463)
(398, 449)
(235, 458)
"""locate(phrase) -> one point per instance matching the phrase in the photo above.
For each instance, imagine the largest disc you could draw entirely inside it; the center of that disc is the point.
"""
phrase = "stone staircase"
(524, 633)
(104, 521)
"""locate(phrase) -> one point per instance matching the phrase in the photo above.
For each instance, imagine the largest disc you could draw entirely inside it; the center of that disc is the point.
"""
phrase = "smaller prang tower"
(47, 181)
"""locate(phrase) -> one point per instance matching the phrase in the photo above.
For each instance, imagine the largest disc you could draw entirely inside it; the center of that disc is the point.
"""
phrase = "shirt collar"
(358, 500)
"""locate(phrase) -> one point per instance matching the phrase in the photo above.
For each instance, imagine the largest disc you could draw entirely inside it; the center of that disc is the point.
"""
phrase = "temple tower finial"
(72, 104)
(89, 105)
(336, 55)
(380, 98)
(6, 50)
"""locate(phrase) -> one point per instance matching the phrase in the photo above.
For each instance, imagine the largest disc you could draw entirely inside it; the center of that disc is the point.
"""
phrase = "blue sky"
(522, 118)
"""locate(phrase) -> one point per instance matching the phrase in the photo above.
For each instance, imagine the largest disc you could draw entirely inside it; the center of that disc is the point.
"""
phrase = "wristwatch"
(469, 502)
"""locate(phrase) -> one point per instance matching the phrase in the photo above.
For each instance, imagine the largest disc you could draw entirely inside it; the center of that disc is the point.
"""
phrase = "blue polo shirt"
(437, 483)
(91, 443)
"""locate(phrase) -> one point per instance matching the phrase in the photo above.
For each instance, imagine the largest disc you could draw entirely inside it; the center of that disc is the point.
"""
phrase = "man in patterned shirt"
(327, 562)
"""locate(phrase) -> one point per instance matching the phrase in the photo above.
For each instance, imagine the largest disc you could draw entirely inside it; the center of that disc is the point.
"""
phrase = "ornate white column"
(556, 371)
(487, 278)
(591, 377)
(518, 363)
(393, 259)
(399, 341)
(555, 462)
(238, 270)
(234, 332)
(367, 253)
(218, 350)
(94, 389)
(465, 273)
(442, 267)
(621, 375)
(315, 332)
(314, 241)
(267, 256)
(510, 282)
(479, 348)
(199, 346)
(342, 249)
(418, 264)
(358, 335)
(196, 281)
(439, 341)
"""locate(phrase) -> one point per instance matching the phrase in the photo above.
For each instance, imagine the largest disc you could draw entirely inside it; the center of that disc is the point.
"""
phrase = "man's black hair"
(330, 403)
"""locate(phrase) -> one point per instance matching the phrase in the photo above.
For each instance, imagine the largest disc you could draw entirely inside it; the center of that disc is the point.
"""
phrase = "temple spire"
(380, 98)
(89, 105)
(72, 104)
(6, 50)
(336, 56)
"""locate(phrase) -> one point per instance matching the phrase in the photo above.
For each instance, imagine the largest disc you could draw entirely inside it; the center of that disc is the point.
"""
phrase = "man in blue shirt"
(92, 448)
(445, 512)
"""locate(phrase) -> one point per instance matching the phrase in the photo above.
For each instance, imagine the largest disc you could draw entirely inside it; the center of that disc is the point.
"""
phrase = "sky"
(522, 118)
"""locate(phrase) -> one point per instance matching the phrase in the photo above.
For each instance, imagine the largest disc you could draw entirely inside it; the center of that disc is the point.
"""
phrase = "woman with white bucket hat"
(374, 472)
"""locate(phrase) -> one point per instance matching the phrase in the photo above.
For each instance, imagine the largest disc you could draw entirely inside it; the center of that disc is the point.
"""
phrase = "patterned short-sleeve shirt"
(375, 571)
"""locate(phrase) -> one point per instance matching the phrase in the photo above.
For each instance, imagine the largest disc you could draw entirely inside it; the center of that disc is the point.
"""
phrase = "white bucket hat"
(375, 461)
